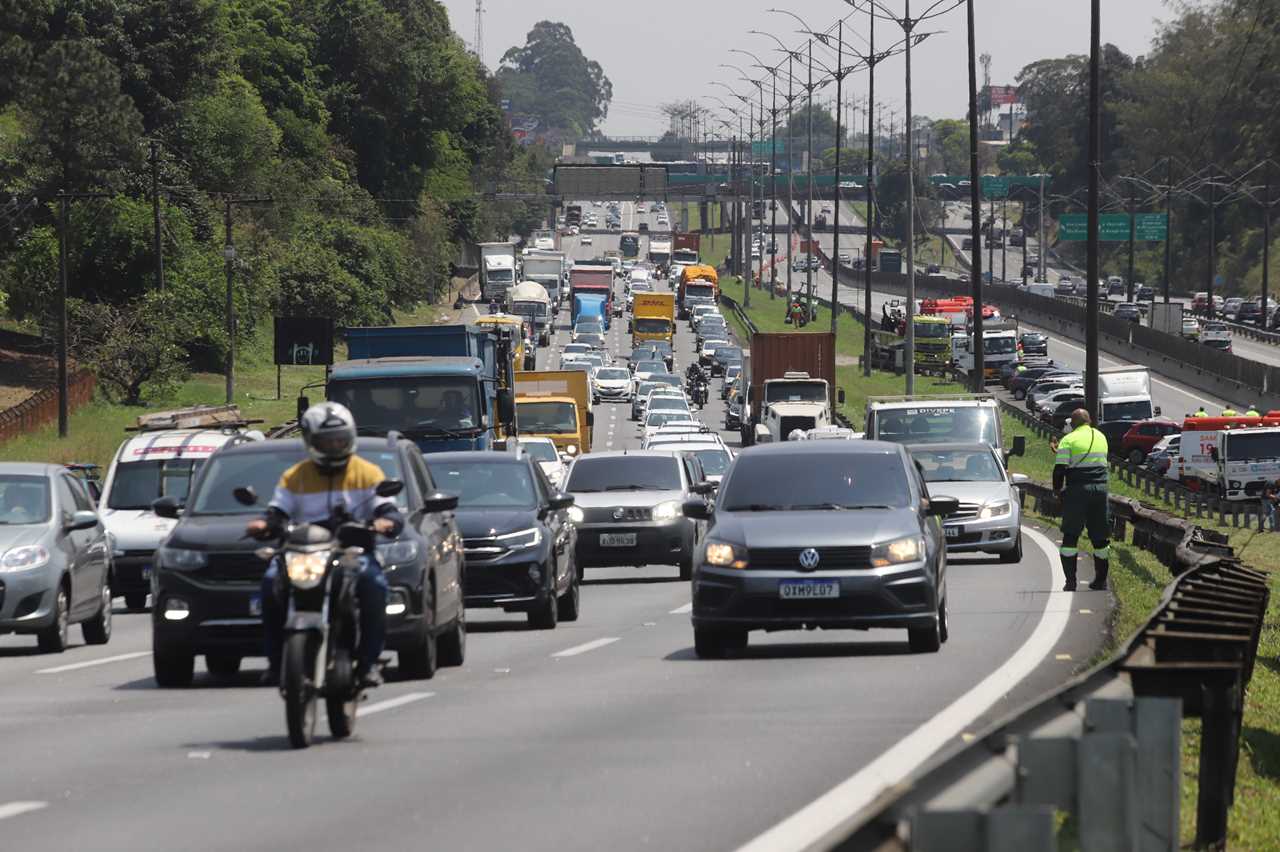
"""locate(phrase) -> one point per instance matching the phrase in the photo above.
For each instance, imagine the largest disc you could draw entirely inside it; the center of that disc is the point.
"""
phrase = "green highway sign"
(1151, 227)
(995, 187)
(1112, 227)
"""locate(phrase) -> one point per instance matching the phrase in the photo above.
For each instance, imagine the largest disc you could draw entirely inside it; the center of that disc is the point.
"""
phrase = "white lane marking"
(681, 610)
(803, 829)
(586, 646)
(102, 661)
(392, 703)
(13, 809)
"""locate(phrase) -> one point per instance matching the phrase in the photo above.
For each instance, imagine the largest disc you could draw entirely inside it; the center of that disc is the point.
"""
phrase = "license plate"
(952, 532)
(255, 605)
(617, 539)
(804, 589)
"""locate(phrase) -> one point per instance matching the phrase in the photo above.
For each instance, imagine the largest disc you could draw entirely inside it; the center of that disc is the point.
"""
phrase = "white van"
(160, 460)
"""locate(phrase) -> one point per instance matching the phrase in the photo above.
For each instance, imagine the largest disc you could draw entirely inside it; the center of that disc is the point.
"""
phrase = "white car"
(544, 452)
(654, 420)
(659, 401)
(699, 311)
(709, 347)
(575, 349)
(585, 239)
(611, 384)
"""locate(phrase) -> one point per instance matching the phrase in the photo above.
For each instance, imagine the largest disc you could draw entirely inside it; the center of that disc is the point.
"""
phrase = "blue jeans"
(371, 592)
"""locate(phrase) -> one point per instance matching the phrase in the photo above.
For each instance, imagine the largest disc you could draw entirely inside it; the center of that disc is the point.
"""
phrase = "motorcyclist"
(332, 481)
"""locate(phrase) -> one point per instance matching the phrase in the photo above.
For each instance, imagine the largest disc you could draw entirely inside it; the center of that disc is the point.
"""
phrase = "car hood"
(213, 532)
(971, 492)
(20, 535)
(621, 384)
(596, 499)
(814, 529)
(481, 523)
(137, 529)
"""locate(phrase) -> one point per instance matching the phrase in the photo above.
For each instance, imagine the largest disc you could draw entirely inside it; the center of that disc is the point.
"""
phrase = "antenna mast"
(478, 42)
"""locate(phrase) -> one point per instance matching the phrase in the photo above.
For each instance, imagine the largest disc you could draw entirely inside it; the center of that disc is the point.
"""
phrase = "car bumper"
(613, 394)
(666, 543)
(27, 600)
(997, 535)
(507, 584)
(902, 597)
(131, 573)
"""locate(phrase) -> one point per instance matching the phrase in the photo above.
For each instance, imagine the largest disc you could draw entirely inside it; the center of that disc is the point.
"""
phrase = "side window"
(66, 500)
(545, 491)
(421, 477)
(84, 503)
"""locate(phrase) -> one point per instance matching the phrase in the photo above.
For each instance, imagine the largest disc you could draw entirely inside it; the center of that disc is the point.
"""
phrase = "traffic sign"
(995, 187)
(1112, 227)
(1151, 227)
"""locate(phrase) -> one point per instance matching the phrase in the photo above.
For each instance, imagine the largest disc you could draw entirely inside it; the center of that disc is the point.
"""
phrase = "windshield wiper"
(630, 488)
(754, 507)
(807, 507)
(424, 428)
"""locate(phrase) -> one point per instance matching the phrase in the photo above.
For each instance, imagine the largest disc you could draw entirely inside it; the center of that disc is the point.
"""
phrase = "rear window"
(625, 473)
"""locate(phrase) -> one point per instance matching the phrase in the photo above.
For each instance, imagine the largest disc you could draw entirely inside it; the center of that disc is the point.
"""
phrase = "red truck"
(592, 279)
(685, 248)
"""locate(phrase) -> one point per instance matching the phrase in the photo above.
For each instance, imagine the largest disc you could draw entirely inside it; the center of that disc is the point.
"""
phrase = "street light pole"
(975, 225)
(871, 198)
(1091, 285)
(1043, 275)
(909, 354)
(808, 213)
(835, 245)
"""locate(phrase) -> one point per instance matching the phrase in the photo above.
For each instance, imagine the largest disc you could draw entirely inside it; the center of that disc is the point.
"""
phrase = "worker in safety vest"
(1253, 412)
(1200, 412)
(1080, 479)
(1230, 412)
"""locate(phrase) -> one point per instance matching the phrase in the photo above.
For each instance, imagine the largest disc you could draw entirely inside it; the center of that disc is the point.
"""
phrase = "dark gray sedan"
(55, 560)
(821, 534)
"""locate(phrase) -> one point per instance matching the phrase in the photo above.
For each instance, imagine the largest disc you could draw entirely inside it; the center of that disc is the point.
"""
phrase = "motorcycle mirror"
(246, 495)
(389, 488)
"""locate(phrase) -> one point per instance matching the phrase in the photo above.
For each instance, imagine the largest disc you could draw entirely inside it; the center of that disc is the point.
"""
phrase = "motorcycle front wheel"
(340, 704)
(297, 678)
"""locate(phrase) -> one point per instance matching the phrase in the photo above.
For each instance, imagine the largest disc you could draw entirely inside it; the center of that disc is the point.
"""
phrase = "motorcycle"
(320, 564)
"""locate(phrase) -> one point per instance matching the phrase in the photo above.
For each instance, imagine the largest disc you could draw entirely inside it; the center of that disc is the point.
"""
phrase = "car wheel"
(926, 640)
(53, 639)
(546, 615)
(173, 668)
(97, 630)
(943, 630)
(1019, 394)
(1015, 555)
(136, 601)
(419, 661)
(452, 647)
(223, 665)
(712, 643)
(570, 602)
(1136, 456)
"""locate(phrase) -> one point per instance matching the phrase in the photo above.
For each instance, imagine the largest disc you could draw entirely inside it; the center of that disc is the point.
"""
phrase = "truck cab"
(795, 401)
(653, 317)
(933, 344)
(999, 347)
(556, 404)
(937, 419)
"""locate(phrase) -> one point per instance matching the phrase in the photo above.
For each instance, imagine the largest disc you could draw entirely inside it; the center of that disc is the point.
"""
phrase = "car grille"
(605, 515)
(138, 555)
(242, 567)
(966, 511)
(483, 549)
(829, 558)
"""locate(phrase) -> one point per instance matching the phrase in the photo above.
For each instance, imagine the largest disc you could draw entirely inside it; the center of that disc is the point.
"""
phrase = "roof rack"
(195, 417)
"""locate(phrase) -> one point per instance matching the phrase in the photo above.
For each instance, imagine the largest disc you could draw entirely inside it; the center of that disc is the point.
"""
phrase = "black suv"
(517, 532)
(206, 583)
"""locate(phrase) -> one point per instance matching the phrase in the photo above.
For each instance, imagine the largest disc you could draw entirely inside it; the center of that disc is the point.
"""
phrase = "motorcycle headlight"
(182, 559)
(994, 510)
(908, 549)
(306, 570)
(576, 515)
(531, 537)
(24, 558)
(396, 552)
(725, 555)
(667, 511)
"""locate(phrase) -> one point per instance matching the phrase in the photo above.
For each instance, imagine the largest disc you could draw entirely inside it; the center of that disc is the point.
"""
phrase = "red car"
(1143, 435)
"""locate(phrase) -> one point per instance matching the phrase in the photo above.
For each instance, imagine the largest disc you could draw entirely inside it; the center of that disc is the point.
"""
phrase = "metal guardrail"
(1105, 748)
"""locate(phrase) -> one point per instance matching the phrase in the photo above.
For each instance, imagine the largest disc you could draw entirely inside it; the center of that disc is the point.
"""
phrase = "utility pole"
(1004, 240)
(808, 213)
(751, 205)
(835, 260)
(909, 356)
(1168, 221)
(791, 171)
(1266, 245)
(1132, 236)
(1042, 274)
(773, 193)
(1213, 241)
(975, 223)
(64, 391)
(1023, 195)
(871, 195)
(991, 232)
(157, 243)
(1095, 153)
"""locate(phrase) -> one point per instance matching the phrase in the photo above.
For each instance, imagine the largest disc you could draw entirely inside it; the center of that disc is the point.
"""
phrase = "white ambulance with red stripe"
(1231, 457)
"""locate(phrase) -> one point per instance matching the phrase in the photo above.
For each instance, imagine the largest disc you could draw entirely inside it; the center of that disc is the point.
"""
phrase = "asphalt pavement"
(604, 733)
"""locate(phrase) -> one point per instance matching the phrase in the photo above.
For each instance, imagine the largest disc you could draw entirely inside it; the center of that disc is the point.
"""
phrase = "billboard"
(605, 182)
(1002, 95)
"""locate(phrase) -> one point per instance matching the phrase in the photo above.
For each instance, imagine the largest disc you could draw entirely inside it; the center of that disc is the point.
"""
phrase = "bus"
(630, 244)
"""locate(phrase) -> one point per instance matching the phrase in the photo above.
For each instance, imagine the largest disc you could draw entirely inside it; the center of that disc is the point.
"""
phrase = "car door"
(99, 542)
(76, 545)
(558, 526)
(438, 537)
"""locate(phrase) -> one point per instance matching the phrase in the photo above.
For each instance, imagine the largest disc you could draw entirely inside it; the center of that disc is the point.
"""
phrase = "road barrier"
(1105, 748)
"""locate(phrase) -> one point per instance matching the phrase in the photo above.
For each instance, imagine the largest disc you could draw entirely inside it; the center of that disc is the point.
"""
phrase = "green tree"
(951, 145)
(549, 77)
(231, 141)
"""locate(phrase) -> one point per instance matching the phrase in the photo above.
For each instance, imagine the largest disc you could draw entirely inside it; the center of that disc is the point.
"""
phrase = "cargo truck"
(573, 215)
(1125, 394)
(629, 243)
(1232, 457)
(497, 269)
(446, 387)
(1167, 317)
(530, 301)
(594, 280)
(789, 380)
(938, 419)
(999, 347)
(548, 270)
(933, 344)
(555, 404)
(699, 284)
(660, 253)
(522, 350)
(685, 247)
(653, 317)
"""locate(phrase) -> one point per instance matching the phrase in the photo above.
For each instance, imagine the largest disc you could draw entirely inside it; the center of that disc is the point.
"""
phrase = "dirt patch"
(23, 375)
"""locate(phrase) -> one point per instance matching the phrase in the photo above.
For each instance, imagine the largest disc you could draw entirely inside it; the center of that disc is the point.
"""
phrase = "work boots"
(1100, 568)
(1069, 571)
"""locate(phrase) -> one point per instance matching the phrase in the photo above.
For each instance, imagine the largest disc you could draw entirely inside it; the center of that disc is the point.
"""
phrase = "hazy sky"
(656, 51)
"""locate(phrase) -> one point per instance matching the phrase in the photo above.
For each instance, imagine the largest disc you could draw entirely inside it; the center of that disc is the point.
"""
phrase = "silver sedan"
(989, 518)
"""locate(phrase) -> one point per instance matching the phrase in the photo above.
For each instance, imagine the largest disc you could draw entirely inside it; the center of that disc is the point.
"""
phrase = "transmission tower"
(478, 42)
(985, 59)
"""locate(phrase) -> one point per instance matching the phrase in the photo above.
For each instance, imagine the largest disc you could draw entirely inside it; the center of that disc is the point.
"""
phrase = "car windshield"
(661, 418)
(136, 484)
(588, 327)
(1242, 447)
(958, 465)
(651, 367)
(941, 425)
(652, 325)
(414, 405)
(611, 374)
(262, 471)
(591, 341)
(540, 450)
(728, 353)
(624, 473)
(933, 329)
(485, 484)
(547, 418)
(999, 345)
(795, 391)
(24, 499)
(714, 462)
(802, 481)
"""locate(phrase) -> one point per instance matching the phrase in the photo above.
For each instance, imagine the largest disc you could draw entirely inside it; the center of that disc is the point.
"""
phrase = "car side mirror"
(697, 510)
(81, 520)
(591, 419)
(560, 501)
(168, 507)
(506, 406)
(246, 495)
(388, 488)
(1158, 412)
(440, 502)
(1019, 478)
(704, 488)
(941, 507)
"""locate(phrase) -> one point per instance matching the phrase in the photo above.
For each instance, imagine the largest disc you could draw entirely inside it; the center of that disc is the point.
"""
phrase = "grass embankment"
(691, 208)
(1138, 581)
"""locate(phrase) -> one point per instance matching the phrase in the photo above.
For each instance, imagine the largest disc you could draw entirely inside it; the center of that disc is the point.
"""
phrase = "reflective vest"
(1084, 454)
(1230, 412)
(1201, 413)
(1253, 412)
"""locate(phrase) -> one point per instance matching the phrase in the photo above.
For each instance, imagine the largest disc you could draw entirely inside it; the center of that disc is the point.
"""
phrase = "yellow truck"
(521, 351)
(653, 317)
(933, 344)
(555, 404)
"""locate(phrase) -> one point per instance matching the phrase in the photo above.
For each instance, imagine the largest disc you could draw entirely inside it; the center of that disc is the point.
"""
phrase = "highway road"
(604, 733)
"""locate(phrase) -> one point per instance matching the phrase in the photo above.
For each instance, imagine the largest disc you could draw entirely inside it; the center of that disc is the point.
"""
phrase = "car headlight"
(1234, 484)
(395, 552)
(908, 549)
(182, 559)
(725, 555)
(306, 570)
(572, 449)
(667, 511)
(576, 515)
(994, 510)
(531, 537)
(24, 558)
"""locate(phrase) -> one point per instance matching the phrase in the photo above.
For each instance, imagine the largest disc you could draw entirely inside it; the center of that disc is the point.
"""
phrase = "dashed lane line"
(681, 610)
(101, 661)
(393, 703)
(13, 809)
(585, 647)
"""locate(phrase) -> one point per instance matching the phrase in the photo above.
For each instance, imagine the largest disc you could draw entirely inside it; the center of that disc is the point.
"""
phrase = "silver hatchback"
(55, 557)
